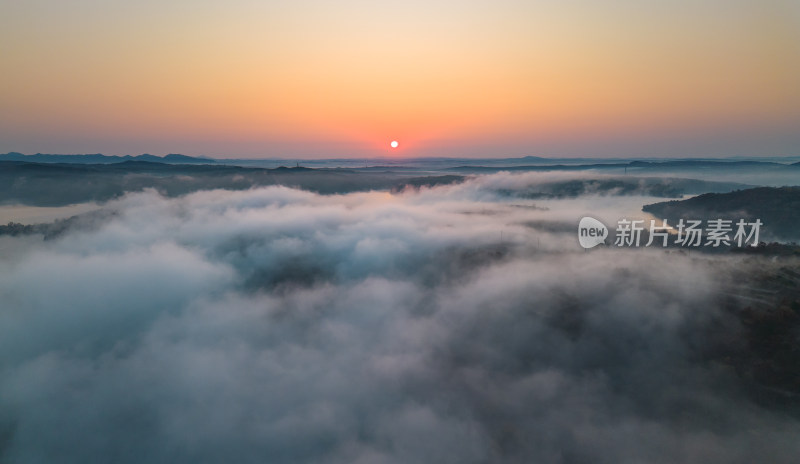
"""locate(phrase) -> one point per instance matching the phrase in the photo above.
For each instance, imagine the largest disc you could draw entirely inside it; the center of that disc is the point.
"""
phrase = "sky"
(320, 79)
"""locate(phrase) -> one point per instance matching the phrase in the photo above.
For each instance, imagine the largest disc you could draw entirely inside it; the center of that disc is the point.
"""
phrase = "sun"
(394, 144)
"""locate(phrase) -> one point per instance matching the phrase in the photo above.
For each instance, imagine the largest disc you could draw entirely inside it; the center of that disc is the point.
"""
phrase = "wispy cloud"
(277, 325)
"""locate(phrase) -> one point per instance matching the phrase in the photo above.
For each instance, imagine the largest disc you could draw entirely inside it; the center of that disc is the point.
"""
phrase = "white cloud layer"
(277, 325)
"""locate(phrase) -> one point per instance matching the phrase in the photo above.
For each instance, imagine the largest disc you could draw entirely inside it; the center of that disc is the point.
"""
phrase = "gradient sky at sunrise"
(445, 78)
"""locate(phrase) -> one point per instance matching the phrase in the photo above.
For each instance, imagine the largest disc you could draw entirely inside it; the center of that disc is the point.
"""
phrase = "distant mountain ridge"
(637, 165)
(98, 158)
(59, 184)
(484, 165)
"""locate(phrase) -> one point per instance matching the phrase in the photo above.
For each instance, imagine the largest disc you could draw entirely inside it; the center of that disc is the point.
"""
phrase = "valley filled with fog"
(388, 317)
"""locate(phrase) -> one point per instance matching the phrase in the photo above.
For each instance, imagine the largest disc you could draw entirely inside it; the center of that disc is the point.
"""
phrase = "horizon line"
(410, 158)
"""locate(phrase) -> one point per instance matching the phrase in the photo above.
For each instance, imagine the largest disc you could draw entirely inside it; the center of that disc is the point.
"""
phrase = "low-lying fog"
(24, 214)
(446, 324)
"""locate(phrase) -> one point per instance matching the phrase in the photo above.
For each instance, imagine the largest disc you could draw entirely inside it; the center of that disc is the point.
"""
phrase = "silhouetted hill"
(777, 208)
(633, 166)
(99, 158)
(700, 164)
(664, 187)
(56, 184)
(178, 158)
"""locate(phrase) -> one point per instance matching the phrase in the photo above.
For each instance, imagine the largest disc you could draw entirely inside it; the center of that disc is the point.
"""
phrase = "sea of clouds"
(441, 325)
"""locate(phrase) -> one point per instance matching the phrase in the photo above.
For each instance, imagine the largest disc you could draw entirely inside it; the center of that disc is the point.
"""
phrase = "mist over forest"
(217, 313)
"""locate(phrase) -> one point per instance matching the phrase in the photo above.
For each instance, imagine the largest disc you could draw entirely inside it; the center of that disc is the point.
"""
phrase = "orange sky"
(450, 78)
